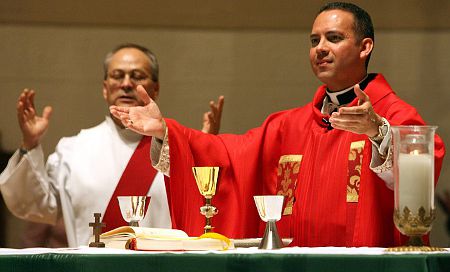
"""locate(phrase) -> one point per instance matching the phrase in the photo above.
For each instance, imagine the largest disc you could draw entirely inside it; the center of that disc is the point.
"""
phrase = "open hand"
(145, 120)
(360, 119)
(33, 127)
(211, 119)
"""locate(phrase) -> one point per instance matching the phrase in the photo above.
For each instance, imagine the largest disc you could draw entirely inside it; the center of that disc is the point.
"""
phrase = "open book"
(140, 238)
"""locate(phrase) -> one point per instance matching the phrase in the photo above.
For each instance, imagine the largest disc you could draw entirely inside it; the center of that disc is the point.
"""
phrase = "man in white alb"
(86, 171)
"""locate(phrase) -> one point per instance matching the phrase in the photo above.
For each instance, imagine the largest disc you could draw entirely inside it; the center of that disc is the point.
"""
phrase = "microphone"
(329, 127)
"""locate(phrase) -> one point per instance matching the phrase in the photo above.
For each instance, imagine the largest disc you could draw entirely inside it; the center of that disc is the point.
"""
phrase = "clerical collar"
(342, 97)
(345, 96)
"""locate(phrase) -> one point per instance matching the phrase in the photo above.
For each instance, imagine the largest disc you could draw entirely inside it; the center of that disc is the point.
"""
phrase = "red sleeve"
(244, 172)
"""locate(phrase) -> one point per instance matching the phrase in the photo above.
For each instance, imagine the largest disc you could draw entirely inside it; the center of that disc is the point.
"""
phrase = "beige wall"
(258, 68)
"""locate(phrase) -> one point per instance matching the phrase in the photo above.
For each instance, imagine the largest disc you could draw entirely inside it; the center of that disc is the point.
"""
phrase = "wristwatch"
(383, 130)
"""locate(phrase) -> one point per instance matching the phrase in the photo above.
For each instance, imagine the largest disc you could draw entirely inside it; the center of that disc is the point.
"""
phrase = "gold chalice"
(206, 178)
(414, 210)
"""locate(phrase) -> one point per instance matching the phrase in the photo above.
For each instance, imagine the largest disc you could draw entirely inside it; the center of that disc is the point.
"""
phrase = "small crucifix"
(97, 230)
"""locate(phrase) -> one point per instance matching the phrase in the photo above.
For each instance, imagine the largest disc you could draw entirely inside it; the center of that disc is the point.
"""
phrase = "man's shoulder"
(84, 133)
(291, 111)
(281, 117)
(381, 93)
(101, 127)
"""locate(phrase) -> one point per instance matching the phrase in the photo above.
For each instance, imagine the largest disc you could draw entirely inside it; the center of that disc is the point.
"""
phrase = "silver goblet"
(269, 209)
(132, 208)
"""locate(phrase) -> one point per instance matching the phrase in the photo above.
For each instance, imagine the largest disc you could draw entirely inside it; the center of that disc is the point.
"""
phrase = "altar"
(241, 259)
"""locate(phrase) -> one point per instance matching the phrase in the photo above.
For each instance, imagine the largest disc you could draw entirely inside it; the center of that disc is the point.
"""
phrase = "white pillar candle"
(416, 186)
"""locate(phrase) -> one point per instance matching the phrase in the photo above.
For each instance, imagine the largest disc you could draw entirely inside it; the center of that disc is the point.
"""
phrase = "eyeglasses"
(135, 76)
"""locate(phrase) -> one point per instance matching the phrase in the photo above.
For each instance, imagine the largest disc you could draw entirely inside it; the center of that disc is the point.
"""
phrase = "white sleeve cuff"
(383, 168)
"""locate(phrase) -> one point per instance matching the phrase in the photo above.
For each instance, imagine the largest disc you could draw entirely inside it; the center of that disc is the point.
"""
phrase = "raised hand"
(145, 120)
(211, 119)
(360, 119)
(33, 126)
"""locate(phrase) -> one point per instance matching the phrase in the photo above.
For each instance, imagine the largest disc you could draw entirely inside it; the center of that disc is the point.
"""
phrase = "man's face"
(129, 67)
(335, 50)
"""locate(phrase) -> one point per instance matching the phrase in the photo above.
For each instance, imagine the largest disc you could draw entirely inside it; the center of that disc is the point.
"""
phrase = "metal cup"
(132, 208)
(269, 209)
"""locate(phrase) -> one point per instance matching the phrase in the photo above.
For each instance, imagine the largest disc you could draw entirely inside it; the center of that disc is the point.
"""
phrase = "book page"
(142, 232)
(159, 233)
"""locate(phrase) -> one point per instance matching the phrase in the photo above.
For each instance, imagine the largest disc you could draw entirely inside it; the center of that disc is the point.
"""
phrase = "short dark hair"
(363, 23)
(154, 66)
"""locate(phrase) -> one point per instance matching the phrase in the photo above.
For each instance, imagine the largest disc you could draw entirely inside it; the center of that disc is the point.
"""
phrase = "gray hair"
(154, 67)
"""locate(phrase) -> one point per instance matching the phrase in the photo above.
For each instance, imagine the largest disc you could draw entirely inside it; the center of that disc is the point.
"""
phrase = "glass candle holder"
(413, 158)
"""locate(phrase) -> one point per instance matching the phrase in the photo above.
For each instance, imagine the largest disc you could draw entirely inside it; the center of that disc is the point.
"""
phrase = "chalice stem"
(271, 239)
(415, 240)
(208, 227)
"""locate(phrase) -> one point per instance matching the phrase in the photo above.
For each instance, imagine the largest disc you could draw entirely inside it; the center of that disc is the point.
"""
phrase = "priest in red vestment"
(331, 159)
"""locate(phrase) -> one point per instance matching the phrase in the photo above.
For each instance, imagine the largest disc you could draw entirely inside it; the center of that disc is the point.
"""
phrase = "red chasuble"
(136, 179)
(332, 198)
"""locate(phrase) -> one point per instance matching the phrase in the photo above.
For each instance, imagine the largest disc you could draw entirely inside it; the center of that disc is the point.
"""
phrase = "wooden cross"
(97, 230)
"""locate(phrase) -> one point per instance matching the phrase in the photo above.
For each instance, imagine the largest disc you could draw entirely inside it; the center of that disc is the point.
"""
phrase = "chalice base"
(271, 239)
(414, 249)
(208, 229)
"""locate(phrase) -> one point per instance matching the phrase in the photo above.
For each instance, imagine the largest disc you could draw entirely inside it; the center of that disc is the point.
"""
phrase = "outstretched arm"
(145, 120)
(33, 127)
(211, 119)
(29, 186)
